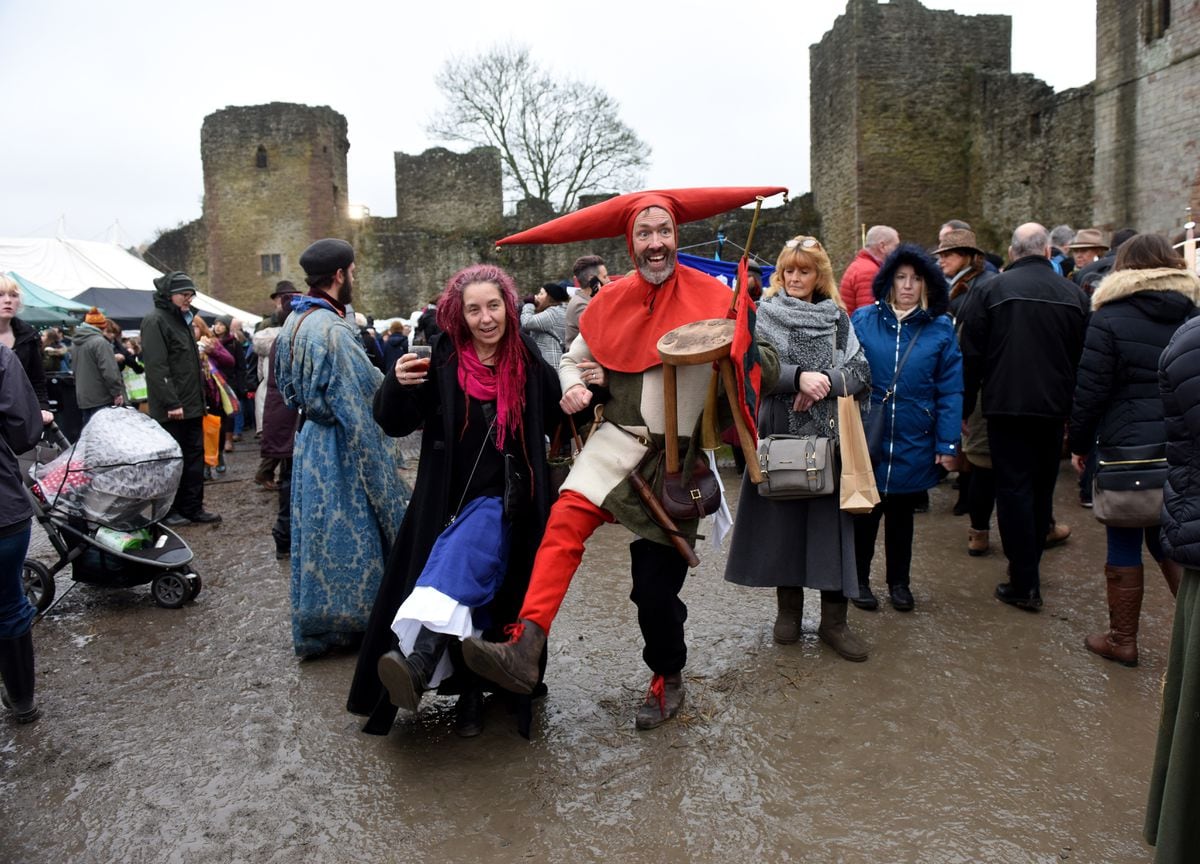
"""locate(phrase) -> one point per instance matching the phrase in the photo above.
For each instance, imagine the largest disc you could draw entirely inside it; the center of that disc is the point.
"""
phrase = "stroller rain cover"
(122, 472)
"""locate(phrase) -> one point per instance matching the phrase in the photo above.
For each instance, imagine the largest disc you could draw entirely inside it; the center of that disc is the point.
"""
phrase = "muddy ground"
(975, 732)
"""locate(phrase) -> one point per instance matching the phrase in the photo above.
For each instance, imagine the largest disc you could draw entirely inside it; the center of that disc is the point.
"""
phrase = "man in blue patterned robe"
(347, 495)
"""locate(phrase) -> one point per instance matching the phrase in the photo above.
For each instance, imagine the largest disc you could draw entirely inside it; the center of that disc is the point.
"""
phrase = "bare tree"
(557, 139)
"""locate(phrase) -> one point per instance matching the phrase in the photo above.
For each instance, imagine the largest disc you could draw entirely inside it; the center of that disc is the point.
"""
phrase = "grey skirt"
(804, 543)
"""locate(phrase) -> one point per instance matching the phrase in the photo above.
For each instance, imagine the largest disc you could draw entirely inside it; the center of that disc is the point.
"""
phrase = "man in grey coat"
(98, 382)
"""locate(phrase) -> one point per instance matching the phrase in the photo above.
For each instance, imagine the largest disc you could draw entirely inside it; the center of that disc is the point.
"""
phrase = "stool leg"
(731, 393)
(671, 418)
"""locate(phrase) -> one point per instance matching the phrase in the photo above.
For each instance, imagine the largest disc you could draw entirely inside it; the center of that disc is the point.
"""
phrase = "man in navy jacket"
(1021, 340)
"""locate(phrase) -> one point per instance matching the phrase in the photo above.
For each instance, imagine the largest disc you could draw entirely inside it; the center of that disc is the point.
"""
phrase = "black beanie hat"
(325, 257)
(557, 291)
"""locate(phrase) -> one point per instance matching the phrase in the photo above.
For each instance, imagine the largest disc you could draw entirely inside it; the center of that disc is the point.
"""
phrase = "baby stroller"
(100, 501)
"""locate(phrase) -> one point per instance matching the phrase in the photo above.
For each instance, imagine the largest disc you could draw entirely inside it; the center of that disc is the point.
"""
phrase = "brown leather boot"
(512, 664)
(1172, 571)
(1124, 587)
(978, 542)
(791, 610)
(1057, 534)
(836, 633)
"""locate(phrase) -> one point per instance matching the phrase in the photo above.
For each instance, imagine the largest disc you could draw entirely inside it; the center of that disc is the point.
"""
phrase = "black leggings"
(897, 537)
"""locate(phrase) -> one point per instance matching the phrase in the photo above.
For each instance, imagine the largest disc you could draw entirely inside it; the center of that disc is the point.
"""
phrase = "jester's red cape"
(623, 323)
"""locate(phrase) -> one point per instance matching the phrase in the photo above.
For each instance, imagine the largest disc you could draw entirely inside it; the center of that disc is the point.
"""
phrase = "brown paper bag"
(858, 492)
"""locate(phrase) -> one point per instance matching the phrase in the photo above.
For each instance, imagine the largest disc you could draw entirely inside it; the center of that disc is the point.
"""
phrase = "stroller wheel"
(171, 590)
(194, 584)
(37, 584)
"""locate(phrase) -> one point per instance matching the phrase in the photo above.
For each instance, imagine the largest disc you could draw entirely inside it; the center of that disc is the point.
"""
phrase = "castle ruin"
(916, 118)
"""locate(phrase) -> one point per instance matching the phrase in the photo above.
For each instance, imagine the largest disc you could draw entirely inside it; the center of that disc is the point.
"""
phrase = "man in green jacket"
(175, 389)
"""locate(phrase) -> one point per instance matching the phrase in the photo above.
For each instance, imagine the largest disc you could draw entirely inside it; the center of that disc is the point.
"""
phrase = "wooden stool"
(695, 344)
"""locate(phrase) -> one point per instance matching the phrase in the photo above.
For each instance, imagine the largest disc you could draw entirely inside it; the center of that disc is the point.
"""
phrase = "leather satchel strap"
(911, 342)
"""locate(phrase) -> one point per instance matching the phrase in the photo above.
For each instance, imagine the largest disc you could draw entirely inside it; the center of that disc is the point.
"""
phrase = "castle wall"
(184, 248)
(1147, 122)
(833, 118)
(449, 192)
(891, 88)
(276, 209)
(1031, 157)
(407, 267)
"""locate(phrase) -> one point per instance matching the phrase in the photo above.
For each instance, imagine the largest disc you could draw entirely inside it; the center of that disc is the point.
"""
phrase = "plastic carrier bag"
(122, 472)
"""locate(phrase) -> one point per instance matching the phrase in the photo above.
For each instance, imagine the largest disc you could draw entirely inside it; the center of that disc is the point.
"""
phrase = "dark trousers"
(282, 530)
(897, 511)
(981, 497)
(266, 469)
(189, 434)
(658, 574)
(1025, 456)
(16, 612)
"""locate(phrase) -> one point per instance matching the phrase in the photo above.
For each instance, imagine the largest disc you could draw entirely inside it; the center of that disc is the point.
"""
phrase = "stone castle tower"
(1147, 119)
(916, 119)
(274, 180)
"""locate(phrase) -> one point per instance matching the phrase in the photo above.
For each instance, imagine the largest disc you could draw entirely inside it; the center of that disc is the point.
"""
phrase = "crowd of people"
(961, 364)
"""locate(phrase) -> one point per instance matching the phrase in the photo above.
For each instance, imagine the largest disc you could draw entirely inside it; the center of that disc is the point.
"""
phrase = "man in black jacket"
(1021, 340)
(175, 389)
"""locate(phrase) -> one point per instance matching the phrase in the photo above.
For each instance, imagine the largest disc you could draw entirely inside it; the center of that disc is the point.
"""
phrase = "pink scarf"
(482, 383)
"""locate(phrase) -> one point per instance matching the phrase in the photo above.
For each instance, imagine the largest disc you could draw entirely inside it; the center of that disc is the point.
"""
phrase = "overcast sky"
(103, 102)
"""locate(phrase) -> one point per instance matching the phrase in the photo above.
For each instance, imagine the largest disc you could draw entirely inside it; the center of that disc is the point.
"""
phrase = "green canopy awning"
(35, 316)
(33, 294)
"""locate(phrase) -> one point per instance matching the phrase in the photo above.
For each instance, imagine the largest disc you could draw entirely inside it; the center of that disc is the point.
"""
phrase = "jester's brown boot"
(512, 664)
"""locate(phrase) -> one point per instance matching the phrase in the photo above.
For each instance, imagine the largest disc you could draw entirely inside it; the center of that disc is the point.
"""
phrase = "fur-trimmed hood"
(1122, 284)
(937, 291)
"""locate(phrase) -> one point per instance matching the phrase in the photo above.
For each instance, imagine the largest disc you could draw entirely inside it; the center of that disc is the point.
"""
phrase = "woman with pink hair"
(486, 402)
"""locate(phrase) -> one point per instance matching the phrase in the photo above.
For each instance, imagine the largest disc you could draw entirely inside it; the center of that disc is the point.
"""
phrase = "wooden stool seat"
(695, 344)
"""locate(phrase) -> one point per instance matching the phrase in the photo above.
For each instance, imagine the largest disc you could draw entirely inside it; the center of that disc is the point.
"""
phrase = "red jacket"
(856, 281)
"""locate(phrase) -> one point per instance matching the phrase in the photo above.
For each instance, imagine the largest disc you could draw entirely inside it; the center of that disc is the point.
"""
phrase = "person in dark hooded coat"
(907, 327)
(1136, 310)
(1171, 825)
(458, 474)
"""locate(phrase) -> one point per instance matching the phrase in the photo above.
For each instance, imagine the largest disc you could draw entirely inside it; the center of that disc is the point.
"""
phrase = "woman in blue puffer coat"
(922, 409)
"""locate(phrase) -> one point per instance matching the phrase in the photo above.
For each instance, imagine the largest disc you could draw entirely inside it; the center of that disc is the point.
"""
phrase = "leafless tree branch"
(557, 139)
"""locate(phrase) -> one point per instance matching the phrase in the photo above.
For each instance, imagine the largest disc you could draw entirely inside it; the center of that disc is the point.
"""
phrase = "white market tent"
(69, 267)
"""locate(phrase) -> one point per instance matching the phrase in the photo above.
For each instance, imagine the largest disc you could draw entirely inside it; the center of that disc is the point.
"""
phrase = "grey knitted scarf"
(803, 334)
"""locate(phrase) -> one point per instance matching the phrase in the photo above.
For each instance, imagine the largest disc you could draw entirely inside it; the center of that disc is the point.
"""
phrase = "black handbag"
(875, 419)
(517, 489)
(1127, 491)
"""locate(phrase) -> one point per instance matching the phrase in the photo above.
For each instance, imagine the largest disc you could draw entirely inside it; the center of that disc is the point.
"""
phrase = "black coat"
(1179, 380)
(237, 378)
(401, 411)
(1021, 336)
(1116, 393)
(28, 348)
(394, 347)
(173, 376)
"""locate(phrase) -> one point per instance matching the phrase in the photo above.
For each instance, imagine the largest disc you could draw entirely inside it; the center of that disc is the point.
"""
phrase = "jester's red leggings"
(573, 519)
(657, 570)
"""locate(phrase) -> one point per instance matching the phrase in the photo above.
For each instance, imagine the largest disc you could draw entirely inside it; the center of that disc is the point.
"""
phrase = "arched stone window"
(260, 158)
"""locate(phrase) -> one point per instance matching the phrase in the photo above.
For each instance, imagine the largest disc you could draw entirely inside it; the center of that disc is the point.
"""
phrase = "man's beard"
(660, 277)
(347, 293)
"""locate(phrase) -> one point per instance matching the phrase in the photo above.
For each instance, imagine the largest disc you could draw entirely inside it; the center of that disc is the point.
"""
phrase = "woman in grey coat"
(808, 542)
